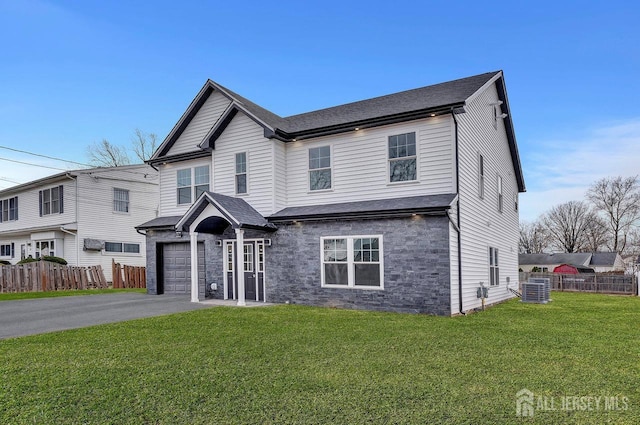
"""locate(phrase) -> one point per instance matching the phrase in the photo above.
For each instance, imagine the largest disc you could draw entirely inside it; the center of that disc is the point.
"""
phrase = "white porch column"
(240, 266)
(194, 266)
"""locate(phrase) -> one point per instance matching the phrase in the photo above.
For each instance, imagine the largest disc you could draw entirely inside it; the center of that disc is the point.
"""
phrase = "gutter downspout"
(455, 121)
(75, 180)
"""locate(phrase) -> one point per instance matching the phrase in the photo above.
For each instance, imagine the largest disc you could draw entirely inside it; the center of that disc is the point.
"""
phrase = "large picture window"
(320, 168)
(191, 183)
(352, 262)
(402, 157)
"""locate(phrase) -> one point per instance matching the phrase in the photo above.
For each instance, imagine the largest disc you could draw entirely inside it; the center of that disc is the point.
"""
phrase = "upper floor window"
(494, 271)
(500, 197)
(120, 200)
(188, 192)
(480, 176)
(402, 157)
(320, 168)
(9, 209)
(352, 262)
(241, 173)
(51, 200)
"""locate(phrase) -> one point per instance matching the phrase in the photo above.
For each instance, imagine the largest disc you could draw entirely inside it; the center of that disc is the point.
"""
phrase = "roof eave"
(377, 214)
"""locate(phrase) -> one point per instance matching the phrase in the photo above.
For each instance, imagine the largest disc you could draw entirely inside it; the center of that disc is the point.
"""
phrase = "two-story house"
(406, 202)
(87, 216)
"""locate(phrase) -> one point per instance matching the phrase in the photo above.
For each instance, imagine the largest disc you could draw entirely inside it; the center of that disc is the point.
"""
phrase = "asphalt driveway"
(28, 317)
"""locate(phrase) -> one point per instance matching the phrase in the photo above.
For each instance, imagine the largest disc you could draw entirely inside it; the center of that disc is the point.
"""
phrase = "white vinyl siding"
(481, 224)
(200, 125)
(279, 175)
(360, 164)
(244, 135)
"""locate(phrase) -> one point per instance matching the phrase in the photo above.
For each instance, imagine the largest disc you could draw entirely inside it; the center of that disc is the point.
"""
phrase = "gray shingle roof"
(603, 259)
(160, 222)
(560, 258)
(241, 211)
(381, 207)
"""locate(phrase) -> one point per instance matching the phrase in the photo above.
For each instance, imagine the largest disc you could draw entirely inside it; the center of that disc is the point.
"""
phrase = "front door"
(252, 270)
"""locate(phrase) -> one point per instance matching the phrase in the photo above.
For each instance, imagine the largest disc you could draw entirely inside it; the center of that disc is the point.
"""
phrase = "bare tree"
(618, 200)
(106, 154)
(144, 144)
(533, 238)
(596, 233)
(566, 224)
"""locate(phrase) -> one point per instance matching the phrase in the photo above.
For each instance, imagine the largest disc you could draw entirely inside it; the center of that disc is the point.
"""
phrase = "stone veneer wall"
(416, 265)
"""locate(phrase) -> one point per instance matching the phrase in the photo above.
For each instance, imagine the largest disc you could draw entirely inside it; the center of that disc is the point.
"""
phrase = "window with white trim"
(494, 271)
(8, 250)
(402, 157)
(9, 209)
(188, 192)
(126, 248)
(44, 248)
(51, 200)
(241, 173)
(480, 176)
(500, 197)
(352, 262)
(120, 200)
(320, 168)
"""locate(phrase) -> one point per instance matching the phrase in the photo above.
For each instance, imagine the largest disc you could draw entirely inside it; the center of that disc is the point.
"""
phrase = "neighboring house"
(601, 262)
(365, 205)
(85, 216)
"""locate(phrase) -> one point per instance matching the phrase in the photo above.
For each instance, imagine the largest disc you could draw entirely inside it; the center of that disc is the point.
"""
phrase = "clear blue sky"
(76, 72)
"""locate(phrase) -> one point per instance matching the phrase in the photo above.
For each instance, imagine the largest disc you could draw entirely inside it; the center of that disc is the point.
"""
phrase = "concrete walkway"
(42, 315)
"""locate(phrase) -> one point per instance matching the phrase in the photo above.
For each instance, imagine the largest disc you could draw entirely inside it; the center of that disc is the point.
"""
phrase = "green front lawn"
(50, 294)
(293, 364)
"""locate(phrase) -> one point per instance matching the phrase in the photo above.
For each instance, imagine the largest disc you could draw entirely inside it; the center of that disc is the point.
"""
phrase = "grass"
(51, 294)
(294, 364)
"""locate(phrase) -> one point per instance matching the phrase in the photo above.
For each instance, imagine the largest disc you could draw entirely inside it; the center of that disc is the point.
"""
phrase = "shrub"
(5, 263)
(52, 259)
(28, 260)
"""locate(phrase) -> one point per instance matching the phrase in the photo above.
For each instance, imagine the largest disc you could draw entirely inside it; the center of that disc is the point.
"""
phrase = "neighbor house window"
(494, 272)
(515, 202)
(51, 201)
(44, 248)
(402, 157)
(320, 168)
(7, 250)
(9, 209)
(352, 262)
(188, 192)
(481, 176)
(500, 197)
(120, 200)
(241, 173)
(127, 248)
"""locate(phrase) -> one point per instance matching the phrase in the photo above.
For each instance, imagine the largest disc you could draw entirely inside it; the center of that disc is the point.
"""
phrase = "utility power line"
(44, 156)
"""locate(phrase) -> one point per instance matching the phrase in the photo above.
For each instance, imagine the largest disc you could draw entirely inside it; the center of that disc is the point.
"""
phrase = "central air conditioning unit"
(536, 290)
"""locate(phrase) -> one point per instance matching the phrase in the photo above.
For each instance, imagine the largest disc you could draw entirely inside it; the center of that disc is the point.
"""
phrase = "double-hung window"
(402, 158)
(51, 200)
(494, 271)
(352, 262)
(8, 250)
(120, 200)
(241, 173)
(9, 209)
(188, 192)
(320, 168)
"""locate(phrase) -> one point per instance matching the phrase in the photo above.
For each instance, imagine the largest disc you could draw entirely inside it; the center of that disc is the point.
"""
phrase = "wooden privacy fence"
(583, 282)
(45, 276)
(128, 276)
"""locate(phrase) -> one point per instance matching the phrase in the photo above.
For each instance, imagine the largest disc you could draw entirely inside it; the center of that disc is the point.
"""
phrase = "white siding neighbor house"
(405, 202)
(87, 217)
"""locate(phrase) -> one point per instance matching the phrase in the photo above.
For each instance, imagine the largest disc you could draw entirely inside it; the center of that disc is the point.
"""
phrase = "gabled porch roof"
(213, 212)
